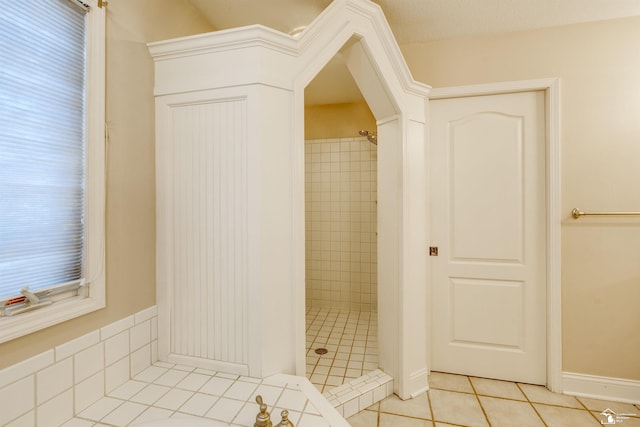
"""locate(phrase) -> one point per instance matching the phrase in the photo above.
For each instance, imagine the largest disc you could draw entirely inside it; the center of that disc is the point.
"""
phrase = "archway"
(230, 122)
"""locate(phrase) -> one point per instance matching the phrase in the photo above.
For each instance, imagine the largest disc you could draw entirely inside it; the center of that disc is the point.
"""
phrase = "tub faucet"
(285, 420)
(263, 419)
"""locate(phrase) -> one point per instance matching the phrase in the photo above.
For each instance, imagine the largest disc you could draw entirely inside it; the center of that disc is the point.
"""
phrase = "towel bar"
(577, 213)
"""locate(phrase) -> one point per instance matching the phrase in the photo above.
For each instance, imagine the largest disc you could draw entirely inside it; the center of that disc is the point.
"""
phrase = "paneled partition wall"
(341, 223)
(208, 152)
(245, 198)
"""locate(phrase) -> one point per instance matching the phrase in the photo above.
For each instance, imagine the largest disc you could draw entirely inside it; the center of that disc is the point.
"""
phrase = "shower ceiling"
(412, 21)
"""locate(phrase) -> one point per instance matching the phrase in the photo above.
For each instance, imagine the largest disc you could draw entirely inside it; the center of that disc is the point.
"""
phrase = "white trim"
(278, 76)
(326, 410)
(210, 364)
(93, 266)
(419, 382)
(604, 388)
(551, 86)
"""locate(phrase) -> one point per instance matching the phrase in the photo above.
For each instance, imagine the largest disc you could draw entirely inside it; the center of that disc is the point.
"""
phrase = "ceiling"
(412, 21)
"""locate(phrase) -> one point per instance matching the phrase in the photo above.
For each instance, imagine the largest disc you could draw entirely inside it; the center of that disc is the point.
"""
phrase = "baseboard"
(605, 388)
(419, 382)
(212, 365)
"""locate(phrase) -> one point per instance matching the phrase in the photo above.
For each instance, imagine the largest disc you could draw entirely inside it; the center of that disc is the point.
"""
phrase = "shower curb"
(360, 393)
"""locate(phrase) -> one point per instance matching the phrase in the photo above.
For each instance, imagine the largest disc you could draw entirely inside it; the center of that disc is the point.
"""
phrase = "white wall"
(130, 216)
(598, 65)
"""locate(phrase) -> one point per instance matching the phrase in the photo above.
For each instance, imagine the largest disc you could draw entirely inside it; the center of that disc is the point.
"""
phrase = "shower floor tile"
(351, 341)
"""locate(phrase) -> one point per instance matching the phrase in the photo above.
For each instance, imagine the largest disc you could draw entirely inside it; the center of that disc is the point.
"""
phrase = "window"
(51, 163)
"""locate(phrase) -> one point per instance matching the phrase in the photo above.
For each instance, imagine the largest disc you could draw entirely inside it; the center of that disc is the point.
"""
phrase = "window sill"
(13, 327)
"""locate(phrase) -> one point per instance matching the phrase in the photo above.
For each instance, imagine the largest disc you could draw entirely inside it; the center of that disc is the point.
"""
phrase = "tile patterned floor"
(173, 391)
(351, 338)
(457, 400)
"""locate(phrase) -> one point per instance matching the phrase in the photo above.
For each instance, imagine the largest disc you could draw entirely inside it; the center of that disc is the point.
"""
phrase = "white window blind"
(42, 144)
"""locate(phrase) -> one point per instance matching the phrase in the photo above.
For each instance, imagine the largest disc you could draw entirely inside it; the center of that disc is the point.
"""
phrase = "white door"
(488, 221)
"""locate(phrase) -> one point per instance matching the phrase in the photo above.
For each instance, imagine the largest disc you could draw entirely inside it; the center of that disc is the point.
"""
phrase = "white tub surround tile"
(54, 380)
(116, 347)
(17, 399)
(101, 408)
(140, 335)
(151, 373)
(89, 391)
(174, 399)
(76, 346)
(146, 314)
(247, 415)
(116, 327)
(48, 388)
(25, 368)
(193, 381)
(117, 374)
(309, 420)
(140, 360)
(152, 414)
(292, 400)
(128, 389)
(199, 404)
(216, 386)
(240, 390)
(27, 420)
(56, 411)
(88, 362)
(225, 409)
(171, 378)
(154, 329)
(269, 393)
(124, 414)
(150, 394)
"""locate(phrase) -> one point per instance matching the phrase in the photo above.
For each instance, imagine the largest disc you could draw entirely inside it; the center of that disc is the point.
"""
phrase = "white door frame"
(551, 86)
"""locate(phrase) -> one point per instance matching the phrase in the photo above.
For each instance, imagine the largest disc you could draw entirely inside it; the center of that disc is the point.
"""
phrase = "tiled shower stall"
(341, 264)
(341, 243)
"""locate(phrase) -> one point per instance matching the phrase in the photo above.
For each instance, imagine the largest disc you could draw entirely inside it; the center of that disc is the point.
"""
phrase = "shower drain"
(321, 351)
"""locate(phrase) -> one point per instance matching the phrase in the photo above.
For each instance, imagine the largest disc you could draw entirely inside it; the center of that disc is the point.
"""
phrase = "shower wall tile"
(49, 388)
(341, 223)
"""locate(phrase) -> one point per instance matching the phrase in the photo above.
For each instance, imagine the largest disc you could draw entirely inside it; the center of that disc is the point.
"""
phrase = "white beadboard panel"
(207, 191)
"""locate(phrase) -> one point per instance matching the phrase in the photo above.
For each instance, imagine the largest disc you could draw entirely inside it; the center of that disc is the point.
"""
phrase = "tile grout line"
(475, 393)
(433, 416)
(333, 359)
(588, 410)
(531, 404)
